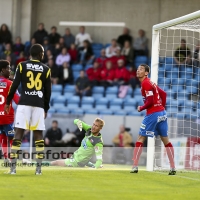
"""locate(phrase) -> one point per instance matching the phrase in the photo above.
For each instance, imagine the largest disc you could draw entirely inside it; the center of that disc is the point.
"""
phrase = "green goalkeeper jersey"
(90, 145)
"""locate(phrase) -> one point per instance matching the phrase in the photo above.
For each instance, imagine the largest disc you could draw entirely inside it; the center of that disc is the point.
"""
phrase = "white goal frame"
(154, 70)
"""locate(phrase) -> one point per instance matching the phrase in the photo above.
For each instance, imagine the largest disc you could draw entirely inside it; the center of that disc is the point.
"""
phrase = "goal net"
(175, 67)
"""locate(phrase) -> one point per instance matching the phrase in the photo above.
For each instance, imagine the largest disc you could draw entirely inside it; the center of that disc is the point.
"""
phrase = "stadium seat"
(117, 101)
(97, 89)
(77, 67)
(88, 100)
(161, 73)
(130, 108)
(172, 74)
(58, 105)
(102, 101)
(141, 59)
(130, 91)
(54, 95)
(27, 43)
(186, 110)
(63, 111)
(137, 91)
(77, 112)
(74, 99)
(68, 95)
(97, 53)
(138, 99)
(92, 112)
(130, 102)
(60, 99)
(86, 106)
(112, 90)
(191, 116)
(191, 90)
(101, 107)
(72, 106)
(169, 60)
(134, 113)
(106, 112)
(120, 112)
(76, 74)
(97, 96)
(177, 88)
(180, 116)
(87, 67)
(69, 88)
(107, 45)
(111, 96)
(98, 46)
(51, 110)
(115, 107)
(57, 88)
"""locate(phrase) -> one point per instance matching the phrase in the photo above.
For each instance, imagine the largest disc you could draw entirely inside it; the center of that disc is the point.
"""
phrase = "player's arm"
(16, 97)
(15, 84)
(81, 125)
(149, 97)
(163, 96)
(47, 91)
(99, 154)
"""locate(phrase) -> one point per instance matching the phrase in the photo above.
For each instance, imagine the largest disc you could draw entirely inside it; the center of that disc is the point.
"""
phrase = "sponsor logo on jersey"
(34, 67)
(91, 140)
(12, 132)
(143, 126)
(3, 84)
(84, 144)
(162, 118)
(149, 93)
(33, 93)
(150, 133)
(2, 113)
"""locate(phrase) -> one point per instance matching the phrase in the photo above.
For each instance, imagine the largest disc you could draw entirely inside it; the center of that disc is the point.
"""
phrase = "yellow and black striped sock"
(39, 147)
(14, 151)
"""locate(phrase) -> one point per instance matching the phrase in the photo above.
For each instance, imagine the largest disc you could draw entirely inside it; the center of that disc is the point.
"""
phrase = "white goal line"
(113, 24)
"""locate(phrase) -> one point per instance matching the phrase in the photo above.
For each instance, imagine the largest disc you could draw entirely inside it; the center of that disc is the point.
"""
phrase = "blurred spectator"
(68, 38)
(48, 55)
(124, 37)
(12, 63)
(197, 55)
(81, 37)
(73, 53)
(133, 80)
(28, 47)
(40, 34)
(140, 44)
(86, 54)
(18, 46)
(182, 54)
(54, 71)
(8, 52)
(102, 59)
(107, 75)
(122, 143)
(21, 58)
(46, 44)
(59, 46)
(121, 74)
(82, 85)
(65, 74)
(53, 36)
(5, 35)
(63, 57)
(117, 57)
(111, 50)
(54, 133)
(128, 52)
(93, 74)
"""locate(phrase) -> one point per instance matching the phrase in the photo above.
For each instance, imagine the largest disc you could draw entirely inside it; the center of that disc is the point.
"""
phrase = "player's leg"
(58, 163)
(69, 162)
(37, 125)
(4, 147)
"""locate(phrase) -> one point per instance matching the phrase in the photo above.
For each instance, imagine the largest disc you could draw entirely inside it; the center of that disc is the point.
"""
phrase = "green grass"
(111, 182)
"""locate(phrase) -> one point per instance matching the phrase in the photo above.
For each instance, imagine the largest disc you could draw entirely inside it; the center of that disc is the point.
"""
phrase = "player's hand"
(79, 124)
(138, 109)
(7, 108)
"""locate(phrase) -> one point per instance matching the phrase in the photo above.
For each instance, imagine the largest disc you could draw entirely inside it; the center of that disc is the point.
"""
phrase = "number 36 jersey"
(34, 77)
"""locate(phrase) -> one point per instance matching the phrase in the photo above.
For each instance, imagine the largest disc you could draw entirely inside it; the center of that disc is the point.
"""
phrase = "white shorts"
(29, 118)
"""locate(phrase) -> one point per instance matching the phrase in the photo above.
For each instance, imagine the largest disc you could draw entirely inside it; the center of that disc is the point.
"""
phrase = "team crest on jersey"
(91, 140)
(34, 67)
(3, 84)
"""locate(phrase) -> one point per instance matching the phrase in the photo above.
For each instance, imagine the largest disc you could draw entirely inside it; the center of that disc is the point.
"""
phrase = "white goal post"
(172, 24)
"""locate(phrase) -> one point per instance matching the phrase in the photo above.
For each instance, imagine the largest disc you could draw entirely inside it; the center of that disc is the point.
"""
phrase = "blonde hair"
(100, 121)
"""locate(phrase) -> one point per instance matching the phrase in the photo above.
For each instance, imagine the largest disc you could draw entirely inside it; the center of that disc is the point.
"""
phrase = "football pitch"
(110, 182)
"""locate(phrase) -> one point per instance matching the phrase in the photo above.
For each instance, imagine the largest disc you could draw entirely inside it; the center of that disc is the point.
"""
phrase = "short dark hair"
(55, 121)
(146, 67)
(4, 64)
(36, 49)
(53, 27)
(183, 40)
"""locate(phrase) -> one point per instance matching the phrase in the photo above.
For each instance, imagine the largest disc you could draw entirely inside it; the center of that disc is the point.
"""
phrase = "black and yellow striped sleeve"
(15, 84)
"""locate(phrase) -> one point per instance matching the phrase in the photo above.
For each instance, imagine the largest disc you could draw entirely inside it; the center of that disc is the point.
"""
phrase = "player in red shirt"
(93, 74)
(155, 121)
(6, 120)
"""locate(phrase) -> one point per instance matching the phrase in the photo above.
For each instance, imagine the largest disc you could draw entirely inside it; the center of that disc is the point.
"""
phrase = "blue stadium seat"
(120, 112)
(130, 108)
(177, 88)
(97, 96)
(169, 60)
(102, 101)
(134, 113)
(101, 107)
(63, 111)
(87, 67)
(68, 95)
(111, 96)
(69, 88)
(117, 101)
(138, 99)
(115, 107)
(168, 67)
(172, 75)
(27, 43)
(161, 73)
(106, 112)
(112, 90)
(141, 59)
(107, 45)
(130, 102)
(130, 91)
(86, 106)
(128, 96)
(54, 95)
(72, 106)
(74, 99)
(88, 100)
(190, 104)
(191, 90)
(98, 89)
(137, 91)
(191, 116)
(60, 99)
(77, 112)
(186, 110)
(180, 116)
(98, 46)
(56, 88)
(97, 53)
(92, 112)
(77, 67)
(51, 110)
(58, 105)
(76, 75)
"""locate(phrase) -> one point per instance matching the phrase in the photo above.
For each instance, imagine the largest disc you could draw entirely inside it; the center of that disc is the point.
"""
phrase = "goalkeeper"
(91, 144)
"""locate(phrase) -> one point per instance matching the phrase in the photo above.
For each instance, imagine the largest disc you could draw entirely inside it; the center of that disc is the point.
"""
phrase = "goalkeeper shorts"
(70, 162)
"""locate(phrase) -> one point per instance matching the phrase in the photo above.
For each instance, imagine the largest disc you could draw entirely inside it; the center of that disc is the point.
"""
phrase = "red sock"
(4, 145)
(170, 153)
(11, 141)
(137, 152)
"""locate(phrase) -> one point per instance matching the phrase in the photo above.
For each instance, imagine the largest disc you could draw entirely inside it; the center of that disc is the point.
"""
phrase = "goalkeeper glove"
(79, 124)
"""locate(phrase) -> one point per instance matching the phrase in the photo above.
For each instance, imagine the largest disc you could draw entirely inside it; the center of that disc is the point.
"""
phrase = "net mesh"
(180, 79)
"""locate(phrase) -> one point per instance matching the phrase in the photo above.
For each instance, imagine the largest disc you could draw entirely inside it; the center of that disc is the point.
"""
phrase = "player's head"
(4, 68)
(97, 125)
(143, 71)
(37, 52)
